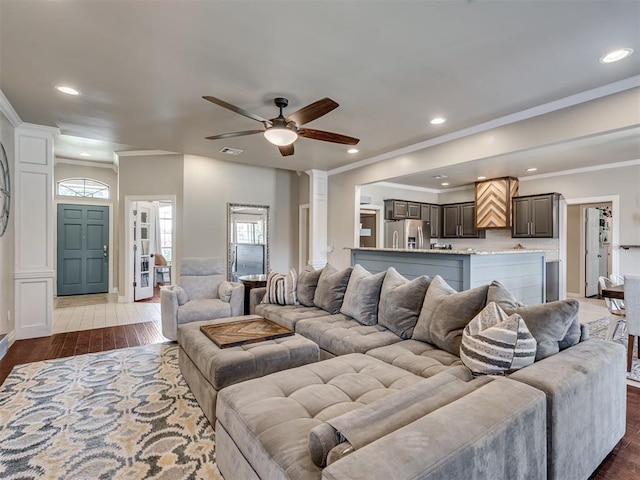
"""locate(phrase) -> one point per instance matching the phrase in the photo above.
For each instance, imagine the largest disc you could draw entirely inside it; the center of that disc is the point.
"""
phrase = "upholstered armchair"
(203, 294)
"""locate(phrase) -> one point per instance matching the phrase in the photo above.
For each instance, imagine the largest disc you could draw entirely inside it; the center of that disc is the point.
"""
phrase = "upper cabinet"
(493, 202)
(535, 216)
(401, 209)
(431, 213)
(459, 221)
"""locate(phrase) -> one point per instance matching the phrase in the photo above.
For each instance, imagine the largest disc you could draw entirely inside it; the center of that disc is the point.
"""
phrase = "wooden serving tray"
(238, 333)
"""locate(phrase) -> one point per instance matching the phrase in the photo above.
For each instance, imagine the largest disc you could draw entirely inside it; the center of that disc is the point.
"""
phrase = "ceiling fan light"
(280, 136)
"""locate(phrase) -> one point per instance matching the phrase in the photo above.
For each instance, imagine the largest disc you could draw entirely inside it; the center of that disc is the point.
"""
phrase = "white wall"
(7, 240)
(380, 193)
(210, 184)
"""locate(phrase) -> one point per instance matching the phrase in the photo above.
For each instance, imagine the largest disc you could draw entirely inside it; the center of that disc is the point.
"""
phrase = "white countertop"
(470, 251)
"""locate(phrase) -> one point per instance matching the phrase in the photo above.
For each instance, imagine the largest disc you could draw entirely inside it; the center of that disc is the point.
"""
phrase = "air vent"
(439, 177)
(231, 151)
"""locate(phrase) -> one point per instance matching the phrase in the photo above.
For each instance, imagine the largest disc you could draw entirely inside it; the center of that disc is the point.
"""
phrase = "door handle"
(105, 250)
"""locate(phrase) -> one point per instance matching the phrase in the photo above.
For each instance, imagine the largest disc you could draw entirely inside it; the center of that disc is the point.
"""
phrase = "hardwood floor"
(77, 343)
(622, 464)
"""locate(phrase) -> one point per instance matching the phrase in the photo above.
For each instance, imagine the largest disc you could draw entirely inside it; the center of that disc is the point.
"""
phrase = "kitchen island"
(521, 271)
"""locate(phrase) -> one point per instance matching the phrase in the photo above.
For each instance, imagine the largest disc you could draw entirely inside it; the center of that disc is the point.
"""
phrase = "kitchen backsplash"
(501, 240)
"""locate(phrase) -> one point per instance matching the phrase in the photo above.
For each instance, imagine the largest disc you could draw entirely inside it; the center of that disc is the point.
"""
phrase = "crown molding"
(545, 108)
(143, 153)
(573, 171)
(55, 131)
(7, 110)
(84, 163)
(401, 186)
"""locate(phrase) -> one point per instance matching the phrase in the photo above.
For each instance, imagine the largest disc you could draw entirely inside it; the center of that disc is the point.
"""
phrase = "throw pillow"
(332, 285)
(494, 343)
(554, 325)
(307, 284)
(400, 302)
(281, 289)
(224, 291)
(362, 296)
(446, 312)
(181, 293)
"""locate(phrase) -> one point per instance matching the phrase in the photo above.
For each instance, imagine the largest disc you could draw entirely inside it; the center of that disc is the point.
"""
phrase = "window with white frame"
(83, 187)
(166, 230)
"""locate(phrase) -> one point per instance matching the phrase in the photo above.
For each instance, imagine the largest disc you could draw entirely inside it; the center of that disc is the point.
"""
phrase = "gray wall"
(7, 241)
(573, 249)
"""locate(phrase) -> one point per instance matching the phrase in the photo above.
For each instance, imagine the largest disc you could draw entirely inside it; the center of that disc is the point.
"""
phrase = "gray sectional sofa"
(386, 403)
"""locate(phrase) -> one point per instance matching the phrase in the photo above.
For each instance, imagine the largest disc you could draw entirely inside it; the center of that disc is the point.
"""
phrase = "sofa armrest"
(585, 386)
(237, 299)
(255, 298)
(496, 431)
(169, 312)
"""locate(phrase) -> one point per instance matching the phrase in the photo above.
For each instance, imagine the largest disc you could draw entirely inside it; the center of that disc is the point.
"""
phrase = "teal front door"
(83, 249)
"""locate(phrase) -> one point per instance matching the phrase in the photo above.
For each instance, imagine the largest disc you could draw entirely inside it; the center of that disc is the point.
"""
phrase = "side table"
(249, 282)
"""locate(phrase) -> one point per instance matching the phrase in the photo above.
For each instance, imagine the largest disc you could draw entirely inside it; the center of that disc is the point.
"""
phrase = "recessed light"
(438, 120)
(445, 184)
(532, 169)
(85, 154)
(67, 90)
(616, 55)
(353, 150)
(482, 177)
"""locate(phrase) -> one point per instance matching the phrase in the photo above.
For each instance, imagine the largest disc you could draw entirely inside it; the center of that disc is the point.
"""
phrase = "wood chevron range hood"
(493, 202)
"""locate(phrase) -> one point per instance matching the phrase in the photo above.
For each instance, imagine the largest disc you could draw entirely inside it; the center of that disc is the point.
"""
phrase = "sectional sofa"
(399, 393)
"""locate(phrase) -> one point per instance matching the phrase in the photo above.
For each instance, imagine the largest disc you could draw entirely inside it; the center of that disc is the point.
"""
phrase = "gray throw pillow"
(554, 325)
(362, 296)
(446, 312)
(307, 284)
(224, 291)
(400, 302)
(332, 285)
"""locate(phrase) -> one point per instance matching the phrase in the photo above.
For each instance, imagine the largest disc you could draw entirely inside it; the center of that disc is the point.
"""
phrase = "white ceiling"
(143, 66)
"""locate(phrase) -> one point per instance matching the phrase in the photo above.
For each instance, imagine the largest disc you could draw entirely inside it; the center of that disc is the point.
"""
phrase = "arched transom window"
(83, 187)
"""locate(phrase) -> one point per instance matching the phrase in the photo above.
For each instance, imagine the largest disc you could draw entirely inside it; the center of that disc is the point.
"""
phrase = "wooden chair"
(632, 301)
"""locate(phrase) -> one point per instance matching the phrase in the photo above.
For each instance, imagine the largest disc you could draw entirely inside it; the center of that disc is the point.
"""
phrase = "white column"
(34, 216)
(317, 218)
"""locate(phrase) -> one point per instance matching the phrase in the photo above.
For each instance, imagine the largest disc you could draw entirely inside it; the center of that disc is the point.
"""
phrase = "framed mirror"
(248, 240)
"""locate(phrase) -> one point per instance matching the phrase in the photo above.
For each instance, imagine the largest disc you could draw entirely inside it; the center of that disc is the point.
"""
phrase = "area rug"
(122, 414)
(83, 300)
(598, 329)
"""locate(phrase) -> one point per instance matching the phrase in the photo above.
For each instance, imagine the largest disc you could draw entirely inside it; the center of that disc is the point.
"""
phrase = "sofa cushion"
(307, 284)
(280, 288)
(201, 287)
(224, 291)
(365, 425)
(288, 315)
(362, 295)
(495, 343)
(332, 285)
(269, 418)
(420, 358)
(446, 312)
(401, 301)
(340, 335)
(205, 309)
(554, 325)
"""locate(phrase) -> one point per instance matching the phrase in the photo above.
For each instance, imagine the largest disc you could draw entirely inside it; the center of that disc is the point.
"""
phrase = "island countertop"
(469, 251)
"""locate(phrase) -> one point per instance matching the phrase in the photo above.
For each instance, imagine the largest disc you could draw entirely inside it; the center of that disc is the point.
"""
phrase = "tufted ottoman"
(207, 368)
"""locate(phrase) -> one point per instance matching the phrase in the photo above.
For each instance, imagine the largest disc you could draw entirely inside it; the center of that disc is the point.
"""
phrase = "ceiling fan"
(283, 131)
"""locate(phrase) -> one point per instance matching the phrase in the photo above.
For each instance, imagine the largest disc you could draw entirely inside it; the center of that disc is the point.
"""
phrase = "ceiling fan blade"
(239, 110)
(327, 136)
(233, 134)
(313, 111)
(286, 150)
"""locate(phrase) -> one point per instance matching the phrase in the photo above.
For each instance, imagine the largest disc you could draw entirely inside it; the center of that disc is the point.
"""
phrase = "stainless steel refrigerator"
(407, 234)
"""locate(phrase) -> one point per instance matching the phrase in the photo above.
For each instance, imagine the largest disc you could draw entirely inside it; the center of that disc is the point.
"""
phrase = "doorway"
(82, 249)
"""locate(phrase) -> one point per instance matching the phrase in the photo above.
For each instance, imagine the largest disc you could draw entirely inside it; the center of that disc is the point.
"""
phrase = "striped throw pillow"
(495, 343)
(281, 289)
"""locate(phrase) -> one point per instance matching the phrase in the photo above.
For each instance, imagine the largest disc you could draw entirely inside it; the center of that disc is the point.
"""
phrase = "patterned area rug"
(122, 414)
(598, 329)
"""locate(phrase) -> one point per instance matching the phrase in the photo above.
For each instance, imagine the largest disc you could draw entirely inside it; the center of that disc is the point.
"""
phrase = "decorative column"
(317, 218)
(33, 209)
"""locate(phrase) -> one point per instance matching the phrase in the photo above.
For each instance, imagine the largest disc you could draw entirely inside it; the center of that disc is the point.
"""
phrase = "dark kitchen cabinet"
(459, 221)
(431, 213)
(535, 216)
(401, 209)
